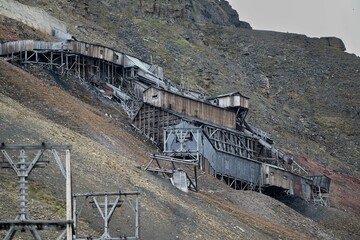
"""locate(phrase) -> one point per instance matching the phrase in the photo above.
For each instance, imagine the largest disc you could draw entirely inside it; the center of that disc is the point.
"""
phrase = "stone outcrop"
(333, 42)
(233, 15)
(161, 10)
(199, 12)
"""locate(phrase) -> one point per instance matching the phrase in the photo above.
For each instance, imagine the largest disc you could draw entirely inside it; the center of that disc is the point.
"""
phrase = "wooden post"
(68, 196)
(137, 227)
(67, 64)
(51, 60)
(62, 62)
(75, 217)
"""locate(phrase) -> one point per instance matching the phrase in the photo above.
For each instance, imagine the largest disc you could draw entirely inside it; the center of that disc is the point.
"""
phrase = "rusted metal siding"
(189, 107)
(301, 187)
(297, 185)
(274, 176)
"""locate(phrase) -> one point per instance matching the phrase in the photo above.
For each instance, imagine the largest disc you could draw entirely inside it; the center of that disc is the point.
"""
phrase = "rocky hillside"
(36, 106)
(303, 90)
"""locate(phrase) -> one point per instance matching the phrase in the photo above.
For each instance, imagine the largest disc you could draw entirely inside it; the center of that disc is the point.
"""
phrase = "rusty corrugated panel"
(301, 187)
(297, 186)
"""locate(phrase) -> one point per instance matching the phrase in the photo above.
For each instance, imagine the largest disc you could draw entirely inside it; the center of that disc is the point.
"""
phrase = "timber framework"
(210, 131)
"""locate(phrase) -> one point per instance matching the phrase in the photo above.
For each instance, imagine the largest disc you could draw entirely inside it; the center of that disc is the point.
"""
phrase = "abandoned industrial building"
(213, 131)
(210, 133)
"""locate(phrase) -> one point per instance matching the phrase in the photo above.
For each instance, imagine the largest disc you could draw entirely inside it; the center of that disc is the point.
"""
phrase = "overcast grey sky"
(314, 18)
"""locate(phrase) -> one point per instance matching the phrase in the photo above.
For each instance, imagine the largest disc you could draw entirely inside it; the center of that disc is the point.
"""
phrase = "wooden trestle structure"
(230, 149)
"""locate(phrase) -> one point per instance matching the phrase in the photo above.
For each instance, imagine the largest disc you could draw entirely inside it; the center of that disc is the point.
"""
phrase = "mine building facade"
(226, 145)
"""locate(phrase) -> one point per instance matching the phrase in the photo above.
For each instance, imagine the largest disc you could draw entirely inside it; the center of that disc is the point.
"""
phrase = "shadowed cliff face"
(198, 12)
